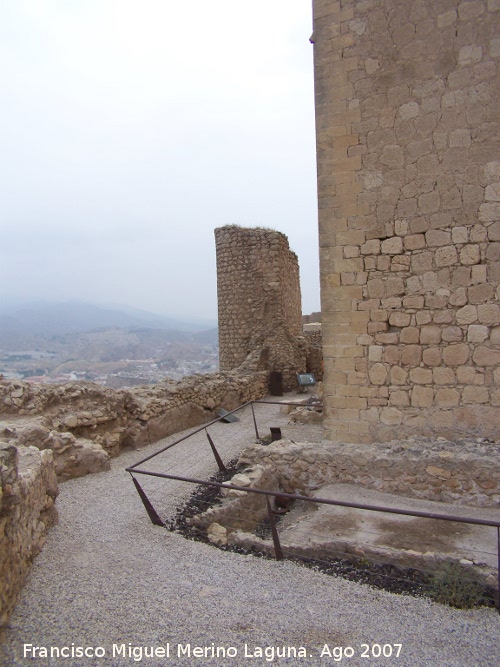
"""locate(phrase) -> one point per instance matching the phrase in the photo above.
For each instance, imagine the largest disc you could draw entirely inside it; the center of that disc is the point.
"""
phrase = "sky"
(131, 129)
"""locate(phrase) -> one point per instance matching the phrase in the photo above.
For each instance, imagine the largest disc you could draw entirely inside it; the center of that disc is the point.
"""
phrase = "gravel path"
(109, 581)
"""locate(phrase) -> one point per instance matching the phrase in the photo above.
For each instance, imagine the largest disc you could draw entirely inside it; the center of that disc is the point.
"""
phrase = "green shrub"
(450, 585)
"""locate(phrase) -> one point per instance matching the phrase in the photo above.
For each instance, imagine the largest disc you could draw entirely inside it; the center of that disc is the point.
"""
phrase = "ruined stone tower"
(260, 321)
(408, 146)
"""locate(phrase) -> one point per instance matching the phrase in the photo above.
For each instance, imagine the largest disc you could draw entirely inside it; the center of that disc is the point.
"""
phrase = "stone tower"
(260, 319)
(408, 146)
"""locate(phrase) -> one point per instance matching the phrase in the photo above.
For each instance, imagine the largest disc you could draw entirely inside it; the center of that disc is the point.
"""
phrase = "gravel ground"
(111, 582)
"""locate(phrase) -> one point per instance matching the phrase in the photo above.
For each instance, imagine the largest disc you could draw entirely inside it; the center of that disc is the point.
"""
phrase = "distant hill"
(109, 345)
(56, 319)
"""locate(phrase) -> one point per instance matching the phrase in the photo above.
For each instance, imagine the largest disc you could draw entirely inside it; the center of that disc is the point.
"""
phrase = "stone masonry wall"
(84, 424)
(407, 116)
(260, 320)
(314, 340)
(50, 432)
(464, 472)
(28, 488)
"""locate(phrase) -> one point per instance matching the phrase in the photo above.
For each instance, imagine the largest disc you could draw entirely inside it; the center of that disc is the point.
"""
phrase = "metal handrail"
(292, 496)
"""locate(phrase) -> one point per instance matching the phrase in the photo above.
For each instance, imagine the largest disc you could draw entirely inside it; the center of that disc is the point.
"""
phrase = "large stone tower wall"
(407, 116)
(260, 320)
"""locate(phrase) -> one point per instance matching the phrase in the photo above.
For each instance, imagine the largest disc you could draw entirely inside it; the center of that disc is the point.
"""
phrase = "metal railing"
(268, 495)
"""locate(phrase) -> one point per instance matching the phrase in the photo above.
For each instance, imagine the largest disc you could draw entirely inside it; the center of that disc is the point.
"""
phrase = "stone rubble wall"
(84, 424)
(50, 432)
(240, 510)
(28, 488)
(465, 473)
(314, 360)
(408, 145)
(259, 302)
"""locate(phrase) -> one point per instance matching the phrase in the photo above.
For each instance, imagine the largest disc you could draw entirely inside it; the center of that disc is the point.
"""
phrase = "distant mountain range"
(118, 347)
(55, 319)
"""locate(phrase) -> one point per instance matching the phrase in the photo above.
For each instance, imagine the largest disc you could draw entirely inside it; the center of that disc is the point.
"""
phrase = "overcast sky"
(131, 129)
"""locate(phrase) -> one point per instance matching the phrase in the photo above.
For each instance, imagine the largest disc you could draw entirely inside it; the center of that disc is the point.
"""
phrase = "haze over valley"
(60, 342)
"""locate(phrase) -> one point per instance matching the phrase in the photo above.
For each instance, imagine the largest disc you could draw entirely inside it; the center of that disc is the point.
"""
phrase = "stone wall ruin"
(84, 425)
(407, 101)
(28, 488)
(58, 432)
(260, 318)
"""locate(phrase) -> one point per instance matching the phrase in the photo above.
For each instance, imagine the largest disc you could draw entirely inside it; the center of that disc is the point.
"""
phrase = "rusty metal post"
(275, 433)
(153, 515)
(221, 465)
(255, 424)
(498, 565)
(278, 553)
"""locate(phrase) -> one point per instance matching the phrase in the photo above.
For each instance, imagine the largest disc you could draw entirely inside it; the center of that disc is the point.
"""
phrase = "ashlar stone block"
(371, 247)
(489, 314)
(456, 354)
(442, 375)
(399, 375)
(479, 273)
(447, 398)
(421, 375)
(480, 293)
(410, 335)
(392, 156)
(430, 335)
(477, 333)
(467, 315)
(459, 235)
(452, 334)
(392, 246)
(411, 355)
(375, 352)
(399, 398)
(494, 231)
(395, 286)
(447, 19)
(431, 356)
(469, 375)
(414, 242)
(421, 262)
(475, 395)
(458, 297)
(423, 317)
(470, 254)
(392, 354)
(469, 55)
(485, 356)
(422, 397)
(446, 256)
(492, 192)
(489, 212)
(391, 416)
(470, 10)
(478, 233)
(429, 203)
(399, 319)
(378, 374)
(437, 237)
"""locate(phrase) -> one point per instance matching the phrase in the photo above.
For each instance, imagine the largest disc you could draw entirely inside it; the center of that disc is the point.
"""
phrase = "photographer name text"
(167, 651)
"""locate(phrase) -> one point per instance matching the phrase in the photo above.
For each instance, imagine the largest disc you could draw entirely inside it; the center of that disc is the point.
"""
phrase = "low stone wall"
(169, 407)
(314, 341)
(465, 473)
(50, 432)
(28, 488)
(239, 510)
(85, 424)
